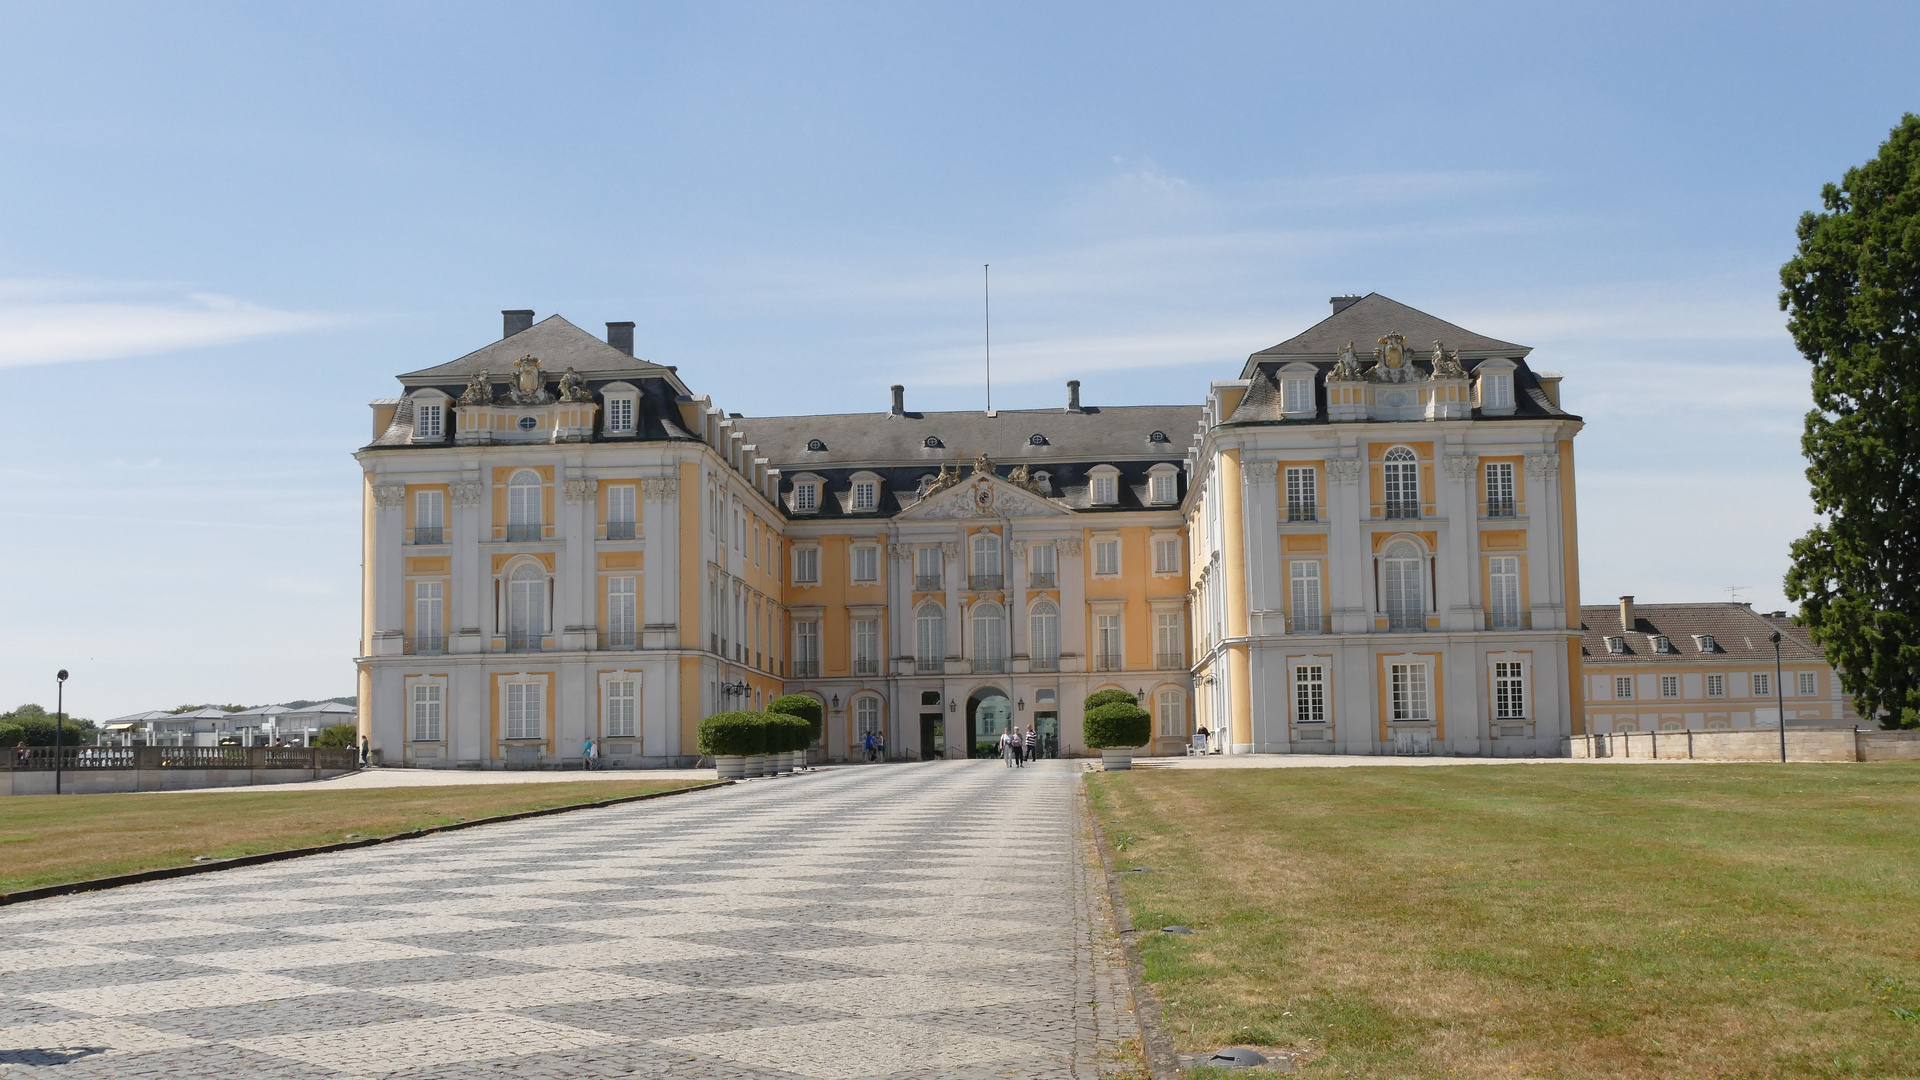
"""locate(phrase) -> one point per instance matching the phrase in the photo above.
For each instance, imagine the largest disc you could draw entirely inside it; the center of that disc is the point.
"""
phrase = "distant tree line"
(33, 725)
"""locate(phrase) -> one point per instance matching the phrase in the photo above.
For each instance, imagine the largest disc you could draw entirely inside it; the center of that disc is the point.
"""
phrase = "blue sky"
(223, 228)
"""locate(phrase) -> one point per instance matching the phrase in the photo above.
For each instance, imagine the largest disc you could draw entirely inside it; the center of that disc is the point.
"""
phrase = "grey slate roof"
(1739, 632)
(1116, 434)
(1372, 317)
(1265, 402)
(558, 343)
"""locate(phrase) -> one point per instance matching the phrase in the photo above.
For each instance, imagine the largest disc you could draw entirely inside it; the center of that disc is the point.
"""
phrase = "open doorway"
(989, 714)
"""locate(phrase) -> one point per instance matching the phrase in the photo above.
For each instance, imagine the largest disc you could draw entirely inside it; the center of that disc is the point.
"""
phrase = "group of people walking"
(875, 745)
(1018, 747)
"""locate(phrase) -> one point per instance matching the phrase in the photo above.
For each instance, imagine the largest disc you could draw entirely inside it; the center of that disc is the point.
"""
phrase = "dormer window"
(622, 410)
(430, 415)
(1157, 437)
(1705, 643)
(1036, 439)
(1105, 487)
(1296, 391)
(815, 446)
(1163, 485)
(806, 497)
(1044, 482)
(1617, 646)
(1299, 395)
(933, 442)
(866, 494)
(1662, 644)
(1495, 386)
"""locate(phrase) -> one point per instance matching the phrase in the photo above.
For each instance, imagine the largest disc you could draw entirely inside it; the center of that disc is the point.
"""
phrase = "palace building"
(1356, 546)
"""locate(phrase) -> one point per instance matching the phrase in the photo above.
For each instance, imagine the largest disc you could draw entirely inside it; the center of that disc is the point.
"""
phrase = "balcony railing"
(929, 667)
(1170, 661)
(866, 665)
(806, 669)
(426, 645)
(1407, 621)
(429, 534)
(522, 641)
(990, 666)
(1045, 663)
(1303, 512)
(619, 530)
(619, 639)
(984, 581)
(1403, 511)
(1306, 624)
(522, 533)
(1500, 507)
(1041, 579)
(928, 583)
(1506, 620)
(1107, 661)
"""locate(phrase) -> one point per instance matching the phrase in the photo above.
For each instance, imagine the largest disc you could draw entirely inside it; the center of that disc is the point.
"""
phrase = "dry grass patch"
(50, 840)
(1563, 920)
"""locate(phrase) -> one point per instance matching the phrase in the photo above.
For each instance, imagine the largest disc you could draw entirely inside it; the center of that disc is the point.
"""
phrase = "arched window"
(866, 715)
(989, 637)
(1402, 586)
(1043, 646)
(930, 638)
(523, 506)
(933, 442)
(986, 562)
(526, 608)
(1402, 478)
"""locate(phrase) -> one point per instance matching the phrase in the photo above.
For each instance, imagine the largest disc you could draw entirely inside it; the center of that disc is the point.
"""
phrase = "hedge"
(1118, 723)
(802, 706)
(734, 734)
(787, 732)
(1108, 696)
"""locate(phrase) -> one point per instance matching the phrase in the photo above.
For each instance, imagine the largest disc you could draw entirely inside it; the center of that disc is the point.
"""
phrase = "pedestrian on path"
(1006, 748)
(866, 745)
(587, 754)
(366, 751)
(880, 746)
(1033, 742)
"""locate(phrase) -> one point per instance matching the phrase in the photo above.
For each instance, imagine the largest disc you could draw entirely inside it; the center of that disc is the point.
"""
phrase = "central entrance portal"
(989, 713)
(933, 736)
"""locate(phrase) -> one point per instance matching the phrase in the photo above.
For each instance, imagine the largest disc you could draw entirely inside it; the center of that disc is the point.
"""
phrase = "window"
(1161, 487)
(1106, 488)
(1705, 643)
(866, 715)
(866, 646)
(524, 514)
(1173, 714)
(1169, 641)
(757, 547)
(806, 498)
(1309, 694)
(933, 442)
(428, 517)
(866, 495)
(930, 638)
(1401, 474)
(815, 446)
(1409, 682)
(806, 566)
(1041, 566)
(526, 607)
(619, 415)
(1763, 686)
(429, 631)
(1403, 581)
(620, 512)
(1617, 645)
(1106, 557)
(928, 573)
(1662, 644)
(622, 613)
(1623, 687)
(1158, 436)
(806, 649)
(986, 561)
(1303, 500)
(1299, 395)
(427, 711)
(1036, 439)
(1809, 684)
(1716, 686)
(1503, 584)
(427, 421)
(866, 564)
(1500, 489)
(1669, 686)
(989, 637)
(1107, 643)
(526, 713)
(1166, 554)
(1509, 691)
(1043, 636)
(623, 709)
(1303, 578)
(1496, 390)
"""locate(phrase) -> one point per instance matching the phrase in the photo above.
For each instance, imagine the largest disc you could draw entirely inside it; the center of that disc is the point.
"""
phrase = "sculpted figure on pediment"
(479, 390)
(1390, 361)
(1347, 367)
(529, 383)
(573, 387)
(982, 464)
(1446, 365)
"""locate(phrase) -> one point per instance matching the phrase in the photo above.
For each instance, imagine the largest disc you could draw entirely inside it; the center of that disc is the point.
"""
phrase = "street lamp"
(59, 717)
(734, 689)
(1779, 694)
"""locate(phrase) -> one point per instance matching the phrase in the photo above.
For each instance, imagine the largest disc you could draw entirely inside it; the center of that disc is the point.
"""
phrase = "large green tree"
(1852, 297)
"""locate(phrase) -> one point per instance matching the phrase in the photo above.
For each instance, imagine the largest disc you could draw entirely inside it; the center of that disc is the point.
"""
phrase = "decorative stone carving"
(982, 464)
(1259, 472)
(389, 496)
(573, 387)
(949, 476)
(660, 489)
(529, 385)
(1459, 466)
(1543, 465)
(1347, 367)
(479, 390)
(581, 490)
(950, 548)
(899, 552)
(1018, 548)
(1024, 478)
(1070, 547)
(1390, 361)
(1344, 470)
(465, 492)
(1446, 365)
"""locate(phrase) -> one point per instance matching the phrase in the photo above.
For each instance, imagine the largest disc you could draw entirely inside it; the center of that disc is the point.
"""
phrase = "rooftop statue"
(529, 382)
(479, 390)
(949, 476)
(1390, 359)
(982, 464)
(1446, 365)
(1347, 367)
(573, 387)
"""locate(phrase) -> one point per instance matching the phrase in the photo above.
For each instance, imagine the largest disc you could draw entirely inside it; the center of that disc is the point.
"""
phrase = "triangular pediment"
(980, 496)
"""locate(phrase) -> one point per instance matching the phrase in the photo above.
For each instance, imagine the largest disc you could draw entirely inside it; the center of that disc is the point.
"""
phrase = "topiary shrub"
(802, 706)
(734, 734)
(1118, 723)
(1108, 696)
(790, 732)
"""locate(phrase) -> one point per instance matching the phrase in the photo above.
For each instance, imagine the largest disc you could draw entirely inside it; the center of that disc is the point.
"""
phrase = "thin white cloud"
(52, 322)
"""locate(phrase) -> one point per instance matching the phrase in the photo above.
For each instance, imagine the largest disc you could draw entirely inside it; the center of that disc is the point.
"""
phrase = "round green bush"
(792, 732)
(734, 734)
(1108, 696)
(338, 737)
(802, 706)
(1118, 723)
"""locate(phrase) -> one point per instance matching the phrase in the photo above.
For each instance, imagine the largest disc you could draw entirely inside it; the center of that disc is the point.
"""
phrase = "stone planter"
(756, 765)
(730, 766)
(783, 762)
(1116, 758)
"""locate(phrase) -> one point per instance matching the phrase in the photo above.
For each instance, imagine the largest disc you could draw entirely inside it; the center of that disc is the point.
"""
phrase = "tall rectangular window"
(620, 414)
(1309, 694)
(1809, 684)
(1299, 395)
(429, 611)
(866, 646)
(623, 616)
(1166, 554)
(1173, 714)
(623, 709)
(429, 517)
(1169, 641)
(806, 649)
(427, 712)
(1669, 686)
(1409, 684)
(1623, 687)
(806, 565)
(866, 715)
(1161, 488)
(806, 498)
(426, 422)
(1106, 490)
(1503, 587)
(1106, 557)
(1303, 497)
(986, 559)
(1107, 643)
(1400, 476)
(1500, 489)
(1509, 691)
(1303, 576)
(1763, 686)
(928, 571)
(526, 710)
(866, 495)
(1496, 391)
(621, 515)
(1716, 686)
(1041, 566)
(866, 564)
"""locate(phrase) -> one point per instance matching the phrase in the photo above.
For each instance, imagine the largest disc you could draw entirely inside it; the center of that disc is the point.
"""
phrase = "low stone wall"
(1757, 744)
(89, 770)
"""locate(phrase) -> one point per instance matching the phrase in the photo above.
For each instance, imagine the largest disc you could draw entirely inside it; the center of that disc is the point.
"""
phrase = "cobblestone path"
(925, 920)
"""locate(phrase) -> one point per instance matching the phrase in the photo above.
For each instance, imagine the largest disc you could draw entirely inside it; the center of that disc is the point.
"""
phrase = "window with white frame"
(429, 710)
(806, 566)
(930, 638)
(1303, 497)
(866, 563)
(526, 710)
(1409, 689)
(428, 420)
(623, 709)
(1106, 557)
(1309, 694)
(524, 512)
(986, 560)
(1042, 566)
(1166, 554)
(1623, 687)
(1499, 476)
(806, 648)
(1303, 577)
(623, 616)
(1403, 586)
(1298, 393)
(866, 646)
(621, 512)
(1496, 390)
(1669, 686)
(989, 634)
(1509, 690)
(1163, 486)
(1763, 686)
(866, 715)
(757, 546)
(1107, 643)
(1716, 686)
(1173, 714)
(806, 497)
(429, 517)
(1503, 588)
(1401, 475)
(527, 610)
(1043, 636)
(619, 414)
(866, 495)
(429, 608)
(1809, 684)
(1106, 485)
(1617, 645)
(1169, 641)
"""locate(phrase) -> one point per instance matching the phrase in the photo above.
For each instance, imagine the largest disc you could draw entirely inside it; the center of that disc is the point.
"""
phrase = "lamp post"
(59, 719)
(1779, 695)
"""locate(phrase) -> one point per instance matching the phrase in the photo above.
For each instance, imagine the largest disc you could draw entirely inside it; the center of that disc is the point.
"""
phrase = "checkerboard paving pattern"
(932, 920)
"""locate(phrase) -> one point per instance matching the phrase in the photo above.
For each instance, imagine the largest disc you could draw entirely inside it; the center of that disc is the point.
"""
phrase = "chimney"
(899, 401)
(1342, 303)
(1626, 613)
(512, 322)
(1073, 396)
(620, 336)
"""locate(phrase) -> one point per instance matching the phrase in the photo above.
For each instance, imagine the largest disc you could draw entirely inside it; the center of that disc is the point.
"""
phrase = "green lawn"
(50, 840)
(1533, 920)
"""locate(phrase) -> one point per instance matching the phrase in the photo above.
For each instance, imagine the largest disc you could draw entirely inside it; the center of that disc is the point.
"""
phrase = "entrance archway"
(989, 712)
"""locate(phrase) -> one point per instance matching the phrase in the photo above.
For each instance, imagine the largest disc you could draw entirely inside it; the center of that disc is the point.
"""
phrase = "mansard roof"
(1089, 437)
(1739, 634)
(559, 345)
(1372, 317)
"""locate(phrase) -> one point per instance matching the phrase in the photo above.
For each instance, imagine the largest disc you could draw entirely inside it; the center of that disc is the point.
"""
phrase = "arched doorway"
(989, 712)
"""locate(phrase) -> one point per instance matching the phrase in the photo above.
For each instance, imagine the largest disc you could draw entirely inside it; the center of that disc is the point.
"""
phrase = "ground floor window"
(622, 709)
(428, 711)
(1409, 684)
(866, 715)
(1173, 714)
(1309, 694)
(526, 710)
(1509, 690)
